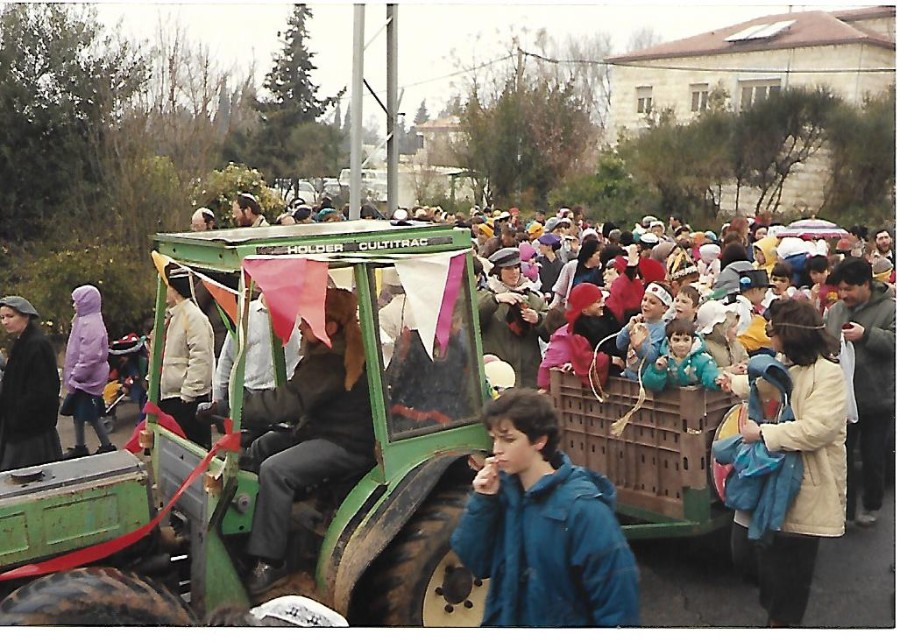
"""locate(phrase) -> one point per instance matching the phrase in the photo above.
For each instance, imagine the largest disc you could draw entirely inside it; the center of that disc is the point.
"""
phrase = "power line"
(640, 65)
(454, 73)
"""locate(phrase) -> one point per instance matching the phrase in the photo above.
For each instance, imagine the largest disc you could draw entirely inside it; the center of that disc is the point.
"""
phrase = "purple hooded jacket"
(86, 367)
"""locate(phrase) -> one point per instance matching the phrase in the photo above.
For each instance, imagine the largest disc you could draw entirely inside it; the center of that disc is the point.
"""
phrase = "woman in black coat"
(29, 396)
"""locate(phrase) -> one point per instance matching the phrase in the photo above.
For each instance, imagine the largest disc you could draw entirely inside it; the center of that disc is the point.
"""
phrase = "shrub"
(218, 188)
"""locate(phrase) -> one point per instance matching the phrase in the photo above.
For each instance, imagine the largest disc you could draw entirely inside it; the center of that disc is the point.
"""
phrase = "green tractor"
(374, 548)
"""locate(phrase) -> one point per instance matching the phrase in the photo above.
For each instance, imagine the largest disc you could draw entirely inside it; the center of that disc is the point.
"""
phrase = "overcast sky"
(240, 34)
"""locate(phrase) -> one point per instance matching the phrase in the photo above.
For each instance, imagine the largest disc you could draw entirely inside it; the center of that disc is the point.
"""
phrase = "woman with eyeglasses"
(818, 432)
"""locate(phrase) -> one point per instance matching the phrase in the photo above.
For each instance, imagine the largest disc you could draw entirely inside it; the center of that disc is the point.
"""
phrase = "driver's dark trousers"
(285, 468)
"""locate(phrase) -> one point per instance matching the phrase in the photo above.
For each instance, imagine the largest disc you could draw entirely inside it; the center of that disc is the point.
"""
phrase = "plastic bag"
(847, 359)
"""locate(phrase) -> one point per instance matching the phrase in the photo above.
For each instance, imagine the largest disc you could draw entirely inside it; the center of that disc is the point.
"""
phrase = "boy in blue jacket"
(683, 361)
(642, 337)
(543, 530)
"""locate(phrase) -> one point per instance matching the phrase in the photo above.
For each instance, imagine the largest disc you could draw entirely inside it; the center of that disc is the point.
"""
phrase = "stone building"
(851, 52)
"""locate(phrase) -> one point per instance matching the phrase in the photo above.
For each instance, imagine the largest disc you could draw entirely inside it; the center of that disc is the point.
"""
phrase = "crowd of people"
(658, 303)
(669, 306)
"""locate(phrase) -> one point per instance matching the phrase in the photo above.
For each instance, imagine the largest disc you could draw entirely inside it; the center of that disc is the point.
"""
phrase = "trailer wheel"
(95, 596)
(419, 580)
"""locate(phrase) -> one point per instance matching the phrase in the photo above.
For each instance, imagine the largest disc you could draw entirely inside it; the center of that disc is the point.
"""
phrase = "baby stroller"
(128, 361)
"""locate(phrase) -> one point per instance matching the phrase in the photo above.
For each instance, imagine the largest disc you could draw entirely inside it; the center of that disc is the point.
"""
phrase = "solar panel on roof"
(773, 29)
(745, 33)
(760, 31)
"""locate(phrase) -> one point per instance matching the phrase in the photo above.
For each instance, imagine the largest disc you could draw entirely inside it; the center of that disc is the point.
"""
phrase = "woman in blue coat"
(543, 530)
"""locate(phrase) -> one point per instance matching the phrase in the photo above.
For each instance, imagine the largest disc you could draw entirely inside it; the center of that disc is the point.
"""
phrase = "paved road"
(689, 583)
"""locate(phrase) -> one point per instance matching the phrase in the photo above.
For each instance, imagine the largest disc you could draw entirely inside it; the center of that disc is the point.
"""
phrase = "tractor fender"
(364, 544)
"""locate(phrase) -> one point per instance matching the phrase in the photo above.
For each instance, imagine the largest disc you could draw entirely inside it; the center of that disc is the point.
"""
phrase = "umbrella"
(811, 228)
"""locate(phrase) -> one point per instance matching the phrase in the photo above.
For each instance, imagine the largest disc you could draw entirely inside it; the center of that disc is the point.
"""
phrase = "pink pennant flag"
(451, 292)
(293, 286)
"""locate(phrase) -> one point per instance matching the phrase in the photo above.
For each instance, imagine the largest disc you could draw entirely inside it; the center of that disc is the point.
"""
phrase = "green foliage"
(219, 188)
(863, 170)
(526, 141)
(774, 135)
(684, 164)
(421, 114)
(287, 141)
(62, 85)
(126, 283)
(289, 82)
(609, 194)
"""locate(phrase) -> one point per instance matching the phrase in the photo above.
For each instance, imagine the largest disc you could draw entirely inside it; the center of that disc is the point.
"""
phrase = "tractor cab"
(418, 318)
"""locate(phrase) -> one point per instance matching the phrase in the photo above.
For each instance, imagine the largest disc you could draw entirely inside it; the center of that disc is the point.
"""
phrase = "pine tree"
(289, 81)
(422, 114)
(295, 138)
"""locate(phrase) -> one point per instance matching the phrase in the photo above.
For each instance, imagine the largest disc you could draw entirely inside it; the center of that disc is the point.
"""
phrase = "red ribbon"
(231, 442)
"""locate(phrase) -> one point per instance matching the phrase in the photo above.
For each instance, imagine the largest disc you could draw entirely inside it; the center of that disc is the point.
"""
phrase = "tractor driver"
(327, 399)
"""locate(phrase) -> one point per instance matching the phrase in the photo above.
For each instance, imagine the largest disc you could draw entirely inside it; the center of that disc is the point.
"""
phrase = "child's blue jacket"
(697, 368)
(649, 350)
(555, 554)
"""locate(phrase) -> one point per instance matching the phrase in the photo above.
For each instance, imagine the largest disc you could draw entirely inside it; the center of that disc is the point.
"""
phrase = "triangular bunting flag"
(160, 262)
(226, 300)
(432, 306)
(293, 286)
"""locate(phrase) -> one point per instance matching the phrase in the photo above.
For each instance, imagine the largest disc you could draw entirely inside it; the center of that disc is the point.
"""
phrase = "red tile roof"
(810, 28)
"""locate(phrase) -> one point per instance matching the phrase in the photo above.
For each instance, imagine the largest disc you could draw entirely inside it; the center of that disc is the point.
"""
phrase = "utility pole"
(356, 96)
(393, 144)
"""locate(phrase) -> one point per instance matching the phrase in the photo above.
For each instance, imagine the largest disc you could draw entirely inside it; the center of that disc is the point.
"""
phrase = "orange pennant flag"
(293, 287)
(226, 300)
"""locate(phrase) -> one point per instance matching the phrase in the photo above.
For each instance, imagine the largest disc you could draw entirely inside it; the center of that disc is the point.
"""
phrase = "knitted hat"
(526, 251)
(534, 230)
(551, 224)
(179, 279)
(341, 307)
(581, 297)
(486, 229)
(661, 250)
(881, 269)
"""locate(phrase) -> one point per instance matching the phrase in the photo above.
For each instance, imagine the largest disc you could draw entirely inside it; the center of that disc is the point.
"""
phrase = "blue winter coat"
(697, 368)
(762, 482)
(555, 554)
(649, 350)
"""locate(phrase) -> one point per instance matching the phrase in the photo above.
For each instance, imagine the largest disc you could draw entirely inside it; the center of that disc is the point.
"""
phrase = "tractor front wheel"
(419, 580)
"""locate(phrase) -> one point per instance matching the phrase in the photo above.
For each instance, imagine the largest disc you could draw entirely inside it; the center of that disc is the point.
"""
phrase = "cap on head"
(21, 305)
(753, 278)
(506, 257)
(649, 239)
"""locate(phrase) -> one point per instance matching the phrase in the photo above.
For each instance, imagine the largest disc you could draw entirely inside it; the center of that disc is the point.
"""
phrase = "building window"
(699, 97)
(644, 99)
(752, 91)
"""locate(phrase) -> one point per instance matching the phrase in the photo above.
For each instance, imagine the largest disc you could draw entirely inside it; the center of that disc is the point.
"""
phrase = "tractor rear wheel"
(95, 596)
(419, 580)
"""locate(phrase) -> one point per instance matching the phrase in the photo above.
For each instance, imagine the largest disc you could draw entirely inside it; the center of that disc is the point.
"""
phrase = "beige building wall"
(672, 88)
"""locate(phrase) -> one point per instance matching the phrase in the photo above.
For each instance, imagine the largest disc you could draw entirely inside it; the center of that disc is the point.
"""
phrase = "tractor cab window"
(433, 388)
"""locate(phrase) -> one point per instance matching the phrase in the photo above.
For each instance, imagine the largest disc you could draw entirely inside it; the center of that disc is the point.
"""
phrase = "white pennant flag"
(424, 278)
